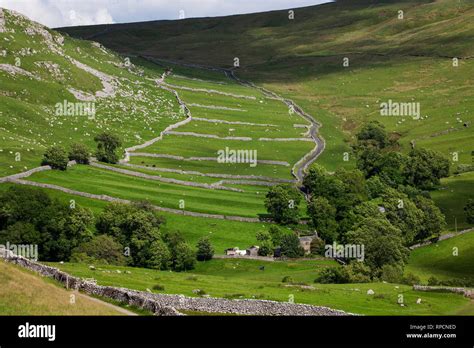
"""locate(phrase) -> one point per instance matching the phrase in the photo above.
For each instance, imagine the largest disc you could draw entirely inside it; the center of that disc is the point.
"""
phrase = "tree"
(383, 243)
(205, 251)
(102, 249)
(333, 275)
(182, 256)
(56, 158)
(20, 233)
(290, 246)
(282, 203)
(357, 214)
(185, 258)
(375, 187)
(317, 246)
(315, 179)
(373, 133)
(107, 144)
(469, 211)
(433, 221)
(160, 256)
(390, 168)
(424, 168)
(29, 216)
(276, 235)
(79, 153)
(264, 239)
(403, 214)
(323, 216)
(134, 226)
(368, 160)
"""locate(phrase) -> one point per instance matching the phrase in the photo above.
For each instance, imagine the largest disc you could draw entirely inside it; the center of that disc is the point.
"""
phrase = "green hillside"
(449, 259)
(405, 60)
(40, 68)
(172, 94)
(43, 297)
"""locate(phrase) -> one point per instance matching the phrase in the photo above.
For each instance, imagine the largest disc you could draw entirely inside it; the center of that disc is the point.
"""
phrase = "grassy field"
(223, 234)
(99, 181)
(450, 259)
(452, 198)
(244, 279)
(29, 122)
(406, 60)
(42, 296)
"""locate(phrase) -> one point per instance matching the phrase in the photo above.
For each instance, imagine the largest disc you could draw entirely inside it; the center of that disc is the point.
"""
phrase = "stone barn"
(253, 251)
(305, 243)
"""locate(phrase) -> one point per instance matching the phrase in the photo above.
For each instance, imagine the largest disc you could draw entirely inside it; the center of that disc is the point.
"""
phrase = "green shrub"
(79, 153)
(205, 251)
(391, 273)
(359, 272)
(433, 281)
(158, 287)
(199, 292)
(56, 158)
(100, 249)
(333, 275)
(411, 279)
(287, 279)
(317, 246)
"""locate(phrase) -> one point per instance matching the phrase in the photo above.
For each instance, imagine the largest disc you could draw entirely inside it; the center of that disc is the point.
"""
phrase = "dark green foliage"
(29, 216)
(160, 256)
(368, 160)
(183, 258)
(265, 241)
(403, 214)
(107, 145)
(56, 157)
(391, 273)
(323, 216)
(375, 187)
(333, 275)
(282, 203)
(158, 287)
(205, 251)
(101, 249)
(433, 220)
(383, 243)
(359, 272)
(373, 134)
(135, 227)
(317, 246)
(469, 210)
(79, 153)
(425, 168)
(276, 235)
(290, 246)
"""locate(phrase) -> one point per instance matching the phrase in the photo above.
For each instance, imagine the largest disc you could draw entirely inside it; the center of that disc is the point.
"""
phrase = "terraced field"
(173, 121)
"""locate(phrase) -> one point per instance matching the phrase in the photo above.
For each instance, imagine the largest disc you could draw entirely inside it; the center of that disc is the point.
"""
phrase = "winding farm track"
(298, 170)
(302, 165)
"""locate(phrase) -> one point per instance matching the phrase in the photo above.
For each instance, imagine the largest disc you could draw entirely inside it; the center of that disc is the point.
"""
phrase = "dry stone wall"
(170, 305)
(463, 291)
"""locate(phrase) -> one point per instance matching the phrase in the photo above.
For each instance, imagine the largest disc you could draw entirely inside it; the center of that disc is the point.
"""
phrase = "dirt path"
(310, 157)
(301, 166)
(106, 304)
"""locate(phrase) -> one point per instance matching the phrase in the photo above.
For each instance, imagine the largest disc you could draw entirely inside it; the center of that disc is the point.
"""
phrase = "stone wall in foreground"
(462, 291)
(170, 305)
